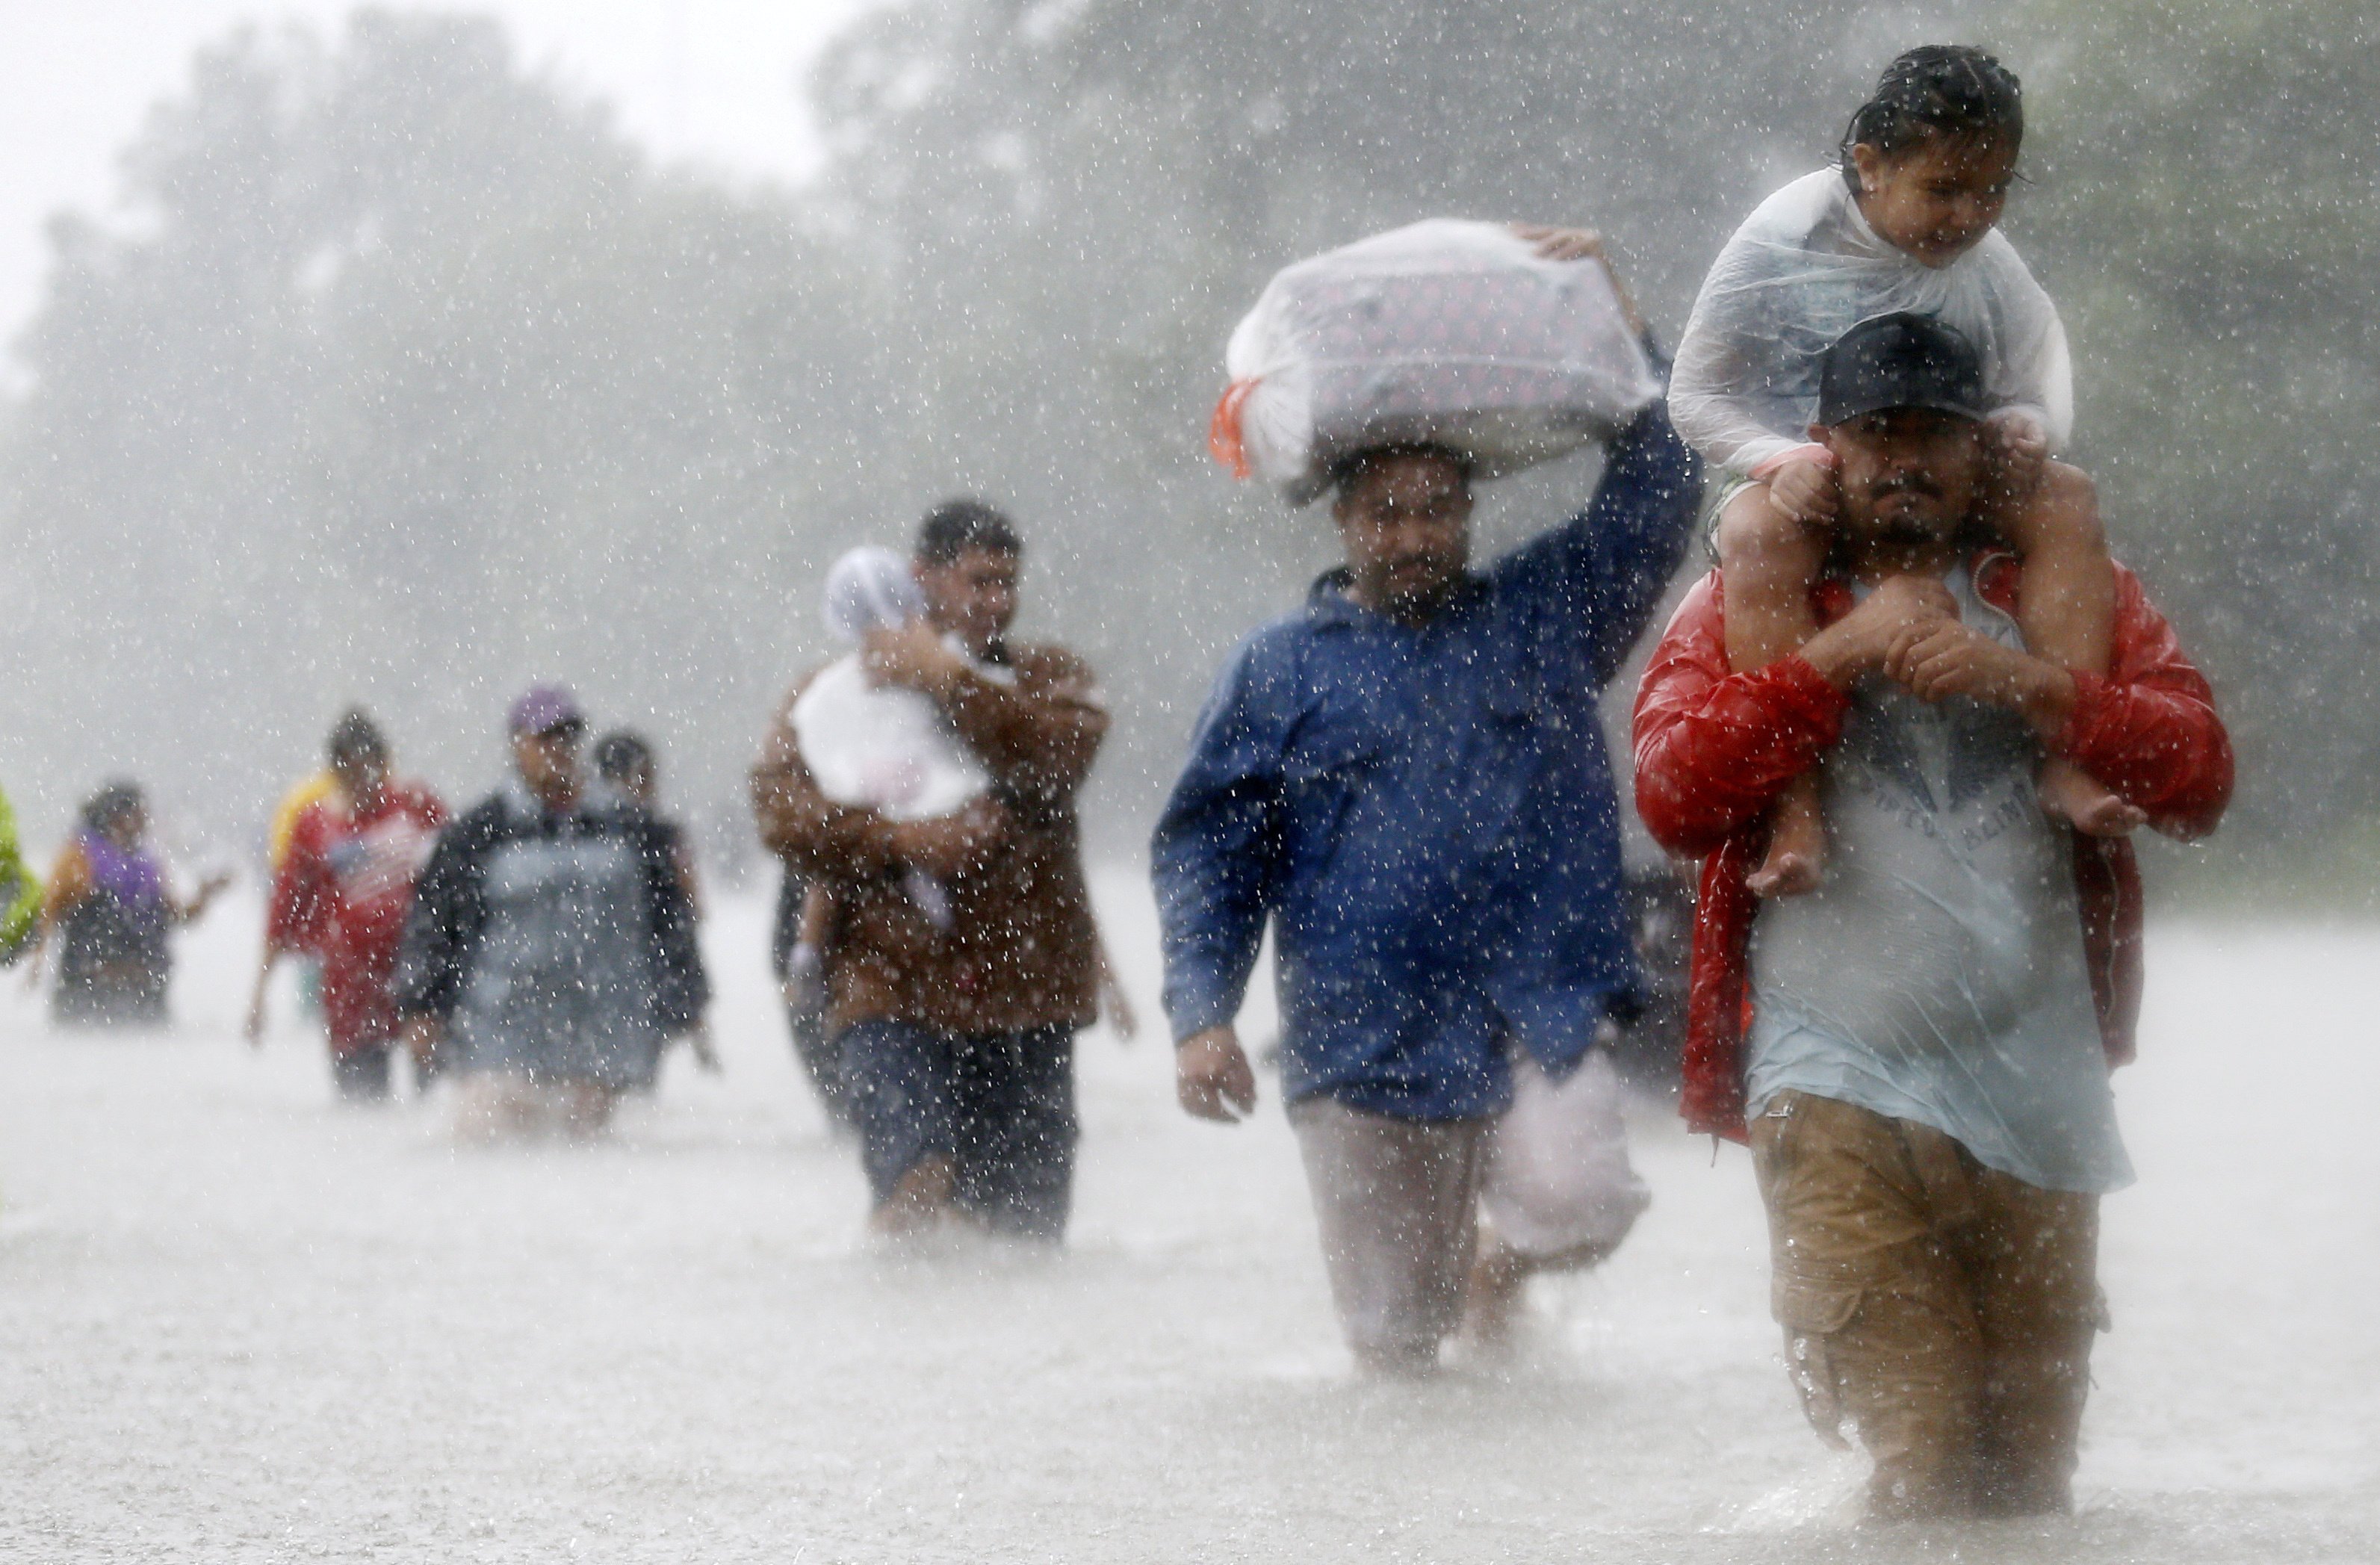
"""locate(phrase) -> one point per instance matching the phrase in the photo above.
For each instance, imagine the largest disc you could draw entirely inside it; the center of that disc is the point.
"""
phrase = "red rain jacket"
(343, 893)
(1715, 749)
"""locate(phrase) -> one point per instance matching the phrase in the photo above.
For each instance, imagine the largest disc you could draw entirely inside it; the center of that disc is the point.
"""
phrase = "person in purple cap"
(550, 951)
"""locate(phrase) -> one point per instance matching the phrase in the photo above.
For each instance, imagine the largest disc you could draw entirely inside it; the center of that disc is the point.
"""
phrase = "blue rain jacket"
(1428, 816)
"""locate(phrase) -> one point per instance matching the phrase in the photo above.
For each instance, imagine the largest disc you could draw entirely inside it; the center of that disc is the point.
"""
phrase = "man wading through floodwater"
(1926, 1067)
(1408, 778)
(955, 1035)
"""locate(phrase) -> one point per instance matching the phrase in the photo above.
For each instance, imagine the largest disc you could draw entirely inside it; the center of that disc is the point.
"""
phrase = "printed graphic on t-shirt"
(381, 861)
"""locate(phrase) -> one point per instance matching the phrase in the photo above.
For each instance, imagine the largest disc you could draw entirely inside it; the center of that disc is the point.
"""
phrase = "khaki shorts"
(1945, 1307)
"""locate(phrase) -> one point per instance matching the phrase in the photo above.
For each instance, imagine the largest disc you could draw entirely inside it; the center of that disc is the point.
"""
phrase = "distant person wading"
(340, 893)
(111, 908)
(550, 948)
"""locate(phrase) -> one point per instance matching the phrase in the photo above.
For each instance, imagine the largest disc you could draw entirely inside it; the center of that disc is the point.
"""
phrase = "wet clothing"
(1947, 1309)
(1427, 815)
(21, 890)
(114, 961)
(1000, 1106)
(1714, 750)
(557, 945)
(814, 1045)
(1933, 1119)
(363, 1075)
(1935, 976)
(1803, 269)
(341, 892)
(323, 787)
(1020, 951)
(1397, 1204)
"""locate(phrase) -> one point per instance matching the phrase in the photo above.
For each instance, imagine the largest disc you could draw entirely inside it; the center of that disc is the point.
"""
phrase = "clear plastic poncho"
(1443, 332)
(1805, 268)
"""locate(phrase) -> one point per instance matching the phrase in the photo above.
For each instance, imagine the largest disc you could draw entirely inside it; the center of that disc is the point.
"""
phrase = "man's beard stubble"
(1898, 526)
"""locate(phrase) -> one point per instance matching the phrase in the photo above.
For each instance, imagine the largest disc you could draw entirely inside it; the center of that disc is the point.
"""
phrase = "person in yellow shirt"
(302, 796)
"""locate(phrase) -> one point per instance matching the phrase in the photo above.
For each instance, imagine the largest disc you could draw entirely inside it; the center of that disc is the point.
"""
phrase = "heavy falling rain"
(966, 779)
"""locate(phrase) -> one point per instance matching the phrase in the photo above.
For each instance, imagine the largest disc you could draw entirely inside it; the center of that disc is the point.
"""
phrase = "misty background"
(401, 370)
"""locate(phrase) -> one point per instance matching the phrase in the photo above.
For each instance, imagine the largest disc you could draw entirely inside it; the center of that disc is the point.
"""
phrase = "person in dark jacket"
(799, 959)
(550, 948)
(1408, 779)
(629, 773)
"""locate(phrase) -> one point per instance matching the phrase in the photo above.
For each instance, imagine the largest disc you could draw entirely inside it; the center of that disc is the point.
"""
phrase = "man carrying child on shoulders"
(1924, 1067)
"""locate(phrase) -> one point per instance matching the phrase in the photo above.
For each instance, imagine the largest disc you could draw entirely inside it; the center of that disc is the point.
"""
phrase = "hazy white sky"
(711, 79)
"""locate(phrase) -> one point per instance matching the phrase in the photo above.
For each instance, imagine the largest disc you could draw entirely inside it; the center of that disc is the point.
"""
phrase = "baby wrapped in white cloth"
(885, 747)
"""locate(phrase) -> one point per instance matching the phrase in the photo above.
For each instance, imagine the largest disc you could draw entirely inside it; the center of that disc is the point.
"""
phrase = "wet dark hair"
(1350, 468)
(1952, 90)
(954, 526)
(356, 737)
(116, 799)
(619, 754)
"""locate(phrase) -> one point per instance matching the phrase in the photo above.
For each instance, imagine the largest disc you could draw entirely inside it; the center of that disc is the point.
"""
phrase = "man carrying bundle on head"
(1407, 777)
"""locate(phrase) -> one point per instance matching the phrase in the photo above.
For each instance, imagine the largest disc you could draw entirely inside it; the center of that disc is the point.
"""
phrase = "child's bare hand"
(1805, 492)
(2020, 447)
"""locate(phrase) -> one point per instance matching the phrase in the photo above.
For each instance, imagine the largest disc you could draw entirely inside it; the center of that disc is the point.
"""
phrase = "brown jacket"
(1022, 951)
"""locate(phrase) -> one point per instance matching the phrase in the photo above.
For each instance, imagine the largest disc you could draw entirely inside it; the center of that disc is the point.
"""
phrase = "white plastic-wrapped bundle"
(883, 747)
(1445, 333)
(1803, 269)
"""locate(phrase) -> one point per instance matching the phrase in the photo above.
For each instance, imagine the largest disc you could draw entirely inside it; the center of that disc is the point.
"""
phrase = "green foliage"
(2206, 216)
(408, 378)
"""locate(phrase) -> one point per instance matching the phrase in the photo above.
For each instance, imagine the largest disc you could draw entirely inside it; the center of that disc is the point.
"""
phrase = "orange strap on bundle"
(1223, 440)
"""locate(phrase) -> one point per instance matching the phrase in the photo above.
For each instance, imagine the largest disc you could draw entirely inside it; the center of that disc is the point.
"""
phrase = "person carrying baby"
(925, 785)
(1905, 223)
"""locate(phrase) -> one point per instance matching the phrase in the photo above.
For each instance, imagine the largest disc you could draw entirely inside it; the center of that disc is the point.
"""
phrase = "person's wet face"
(128, 825)
(548, 762)
(1906, 478)
(362, 772)
(973, 596)
(637, 782)
(1936, 200)
(1404, 522)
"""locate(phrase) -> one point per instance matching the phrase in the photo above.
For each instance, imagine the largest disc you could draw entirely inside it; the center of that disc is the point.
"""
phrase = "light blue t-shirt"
(1937, 976)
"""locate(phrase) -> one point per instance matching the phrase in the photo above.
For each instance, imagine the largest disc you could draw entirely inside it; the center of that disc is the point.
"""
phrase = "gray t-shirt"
(1937, 976)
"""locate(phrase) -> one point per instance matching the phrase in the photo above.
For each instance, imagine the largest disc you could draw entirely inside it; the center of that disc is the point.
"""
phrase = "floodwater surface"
(243, 1324)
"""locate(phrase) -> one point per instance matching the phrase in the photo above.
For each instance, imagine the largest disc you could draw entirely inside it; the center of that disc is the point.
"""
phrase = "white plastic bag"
(1805, 268)
(1558, 1179)
(1445, 333)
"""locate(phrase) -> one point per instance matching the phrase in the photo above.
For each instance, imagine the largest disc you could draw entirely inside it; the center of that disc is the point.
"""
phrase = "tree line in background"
(403, 377)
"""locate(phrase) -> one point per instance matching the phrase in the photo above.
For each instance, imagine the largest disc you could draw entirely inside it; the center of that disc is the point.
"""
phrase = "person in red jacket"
(341, 892)
(1918, 1052)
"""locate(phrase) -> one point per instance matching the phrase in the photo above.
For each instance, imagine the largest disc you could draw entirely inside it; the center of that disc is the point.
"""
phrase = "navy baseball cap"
(544, 708)
(1903, 360)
